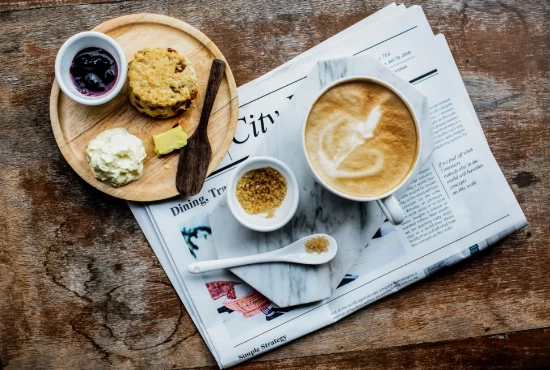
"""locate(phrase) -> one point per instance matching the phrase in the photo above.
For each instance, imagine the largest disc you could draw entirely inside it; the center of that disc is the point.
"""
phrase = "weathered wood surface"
(81, 288)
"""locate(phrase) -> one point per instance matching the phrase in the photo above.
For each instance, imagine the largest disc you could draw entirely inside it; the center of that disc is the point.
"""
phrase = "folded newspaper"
(459, 204)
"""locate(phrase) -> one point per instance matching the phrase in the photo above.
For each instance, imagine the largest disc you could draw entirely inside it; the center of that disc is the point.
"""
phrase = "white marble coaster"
(352, 224)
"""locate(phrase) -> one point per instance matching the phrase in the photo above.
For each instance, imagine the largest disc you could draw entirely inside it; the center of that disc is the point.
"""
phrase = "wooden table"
(81, 288)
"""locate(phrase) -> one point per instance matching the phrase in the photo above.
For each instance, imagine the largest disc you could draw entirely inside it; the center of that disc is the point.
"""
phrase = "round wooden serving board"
(74, 125)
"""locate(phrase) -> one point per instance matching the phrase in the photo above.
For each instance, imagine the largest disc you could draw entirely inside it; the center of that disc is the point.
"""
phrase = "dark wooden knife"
(195, 156)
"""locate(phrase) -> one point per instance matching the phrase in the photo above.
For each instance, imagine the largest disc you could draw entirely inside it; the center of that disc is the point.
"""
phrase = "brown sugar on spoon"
(261, 191)
(318, 244)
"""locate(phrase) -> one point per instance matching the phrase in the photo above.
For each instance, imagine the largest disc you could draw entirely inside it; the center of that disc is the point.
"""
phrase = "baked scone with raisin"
(161, 82)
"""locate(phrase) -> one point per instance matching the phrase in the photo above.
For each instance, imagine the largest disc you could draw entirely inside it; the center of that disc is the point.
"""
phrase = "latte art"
(361, 139)
(357, 133)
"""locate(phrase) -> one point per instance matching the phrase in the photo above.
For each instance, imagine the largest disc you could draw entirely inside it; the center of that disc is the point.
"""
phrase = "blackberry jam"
(94, 71)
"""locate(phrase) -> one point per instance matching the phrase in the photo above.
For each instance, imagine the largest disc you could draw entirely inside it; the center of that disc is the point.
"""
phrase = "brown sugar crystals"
(318, 244)
(261, 191)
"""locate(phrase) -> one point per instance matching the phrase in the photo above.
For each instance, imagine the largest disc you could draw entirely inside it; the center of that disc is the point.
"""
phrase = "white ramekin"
(65, 57)
(283, 214)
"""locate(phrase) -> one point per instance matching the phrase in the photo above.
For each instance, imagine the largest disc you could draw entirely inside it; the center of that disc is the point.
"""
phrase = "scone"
(161, 82)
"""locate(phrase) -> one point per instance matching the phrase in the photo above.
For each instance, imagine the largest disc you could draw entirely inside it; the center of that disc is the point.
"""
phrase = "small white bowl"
(283, 214)
(65, 57)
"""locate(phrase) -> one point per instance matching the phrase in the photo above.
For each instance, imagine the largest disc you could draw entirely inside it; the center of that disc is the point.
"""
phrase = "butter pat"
(170, 140)
(116, 157)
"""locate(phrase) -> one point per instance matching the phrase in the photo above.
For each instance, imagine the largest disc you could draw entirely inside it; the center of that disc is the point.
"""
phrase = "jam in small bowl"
(90, 68)
(94, 71)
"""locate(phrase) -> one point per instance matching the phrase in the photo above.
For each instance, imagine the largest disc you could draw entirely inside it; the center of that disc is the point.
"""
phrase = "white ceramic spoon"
(293, 253)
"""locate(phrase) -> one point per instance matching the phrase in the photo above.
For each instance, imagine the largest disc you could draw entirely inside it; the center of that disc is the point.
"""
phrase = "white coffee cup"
(388, 202)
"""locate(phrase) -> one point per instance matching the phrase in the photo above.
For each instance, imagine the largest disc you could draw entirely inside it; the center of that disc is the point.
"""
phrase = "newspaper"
(459, 204)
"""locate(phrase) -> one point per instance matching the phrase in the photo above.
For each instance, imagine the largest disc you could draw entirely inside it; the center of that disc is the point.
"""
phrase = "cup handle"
(391, 208)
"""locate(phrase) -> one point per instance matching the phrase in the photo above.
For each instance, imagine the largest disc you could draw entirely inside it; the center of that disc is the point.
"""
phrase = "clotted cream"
(116, 157)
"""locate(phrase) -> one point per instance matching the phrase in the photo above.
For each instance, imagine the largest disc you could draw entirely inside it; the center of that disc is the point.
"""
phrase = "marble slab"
(352, 224)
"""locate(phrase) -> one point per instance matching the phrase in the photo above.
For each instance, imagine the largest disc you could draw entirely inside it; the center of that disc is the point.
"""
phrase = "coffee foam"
(361, 139)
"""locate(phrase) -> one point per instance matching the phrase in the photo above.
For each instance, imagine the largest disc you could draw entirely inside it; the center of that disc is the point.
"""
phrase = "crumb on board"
(261, 191)
(318, 244)
(166, 166)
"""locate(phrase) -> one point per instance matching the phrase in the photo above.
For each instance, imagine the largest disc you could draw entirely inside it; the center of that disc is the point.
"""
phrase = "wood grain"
(74, 125)
(502, 351)
(195, 157)
(81, 288)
